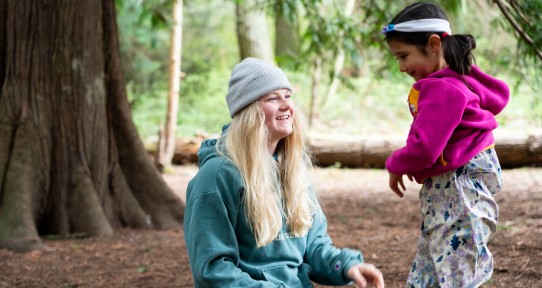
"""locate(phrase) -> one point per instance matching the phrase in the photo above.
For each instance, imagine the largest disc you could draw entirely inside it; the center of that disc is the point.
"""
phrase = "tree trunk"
(167, 141)
(287, 44)
(315, 92)
(252, 31)
(70, 157)
(372, 152)
(339, 60)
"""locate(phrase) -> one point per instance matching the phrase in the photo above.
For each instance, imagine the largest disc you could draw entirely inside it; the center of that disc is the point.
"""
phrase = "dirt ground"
(362, 214)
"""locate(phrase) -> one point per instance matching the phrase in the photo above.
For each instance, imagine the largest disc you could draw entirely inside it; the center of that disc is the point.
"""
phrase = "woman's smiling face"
(278, 109)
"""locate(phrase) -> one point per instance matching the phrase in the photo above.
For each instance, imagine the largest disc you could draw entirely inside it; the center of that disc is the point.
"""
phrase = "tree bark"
(372, 152)
(70, 157)
(167, 142)
(252, 31)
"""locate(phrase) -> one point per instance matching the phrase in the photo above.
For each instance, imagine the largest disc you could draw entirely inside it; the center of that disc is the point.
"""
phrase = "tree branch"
(518, 28)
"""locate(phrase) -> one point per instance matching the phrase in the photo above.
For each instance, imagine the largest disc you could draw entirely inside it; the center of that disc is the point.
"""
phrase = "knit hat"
(251, 79)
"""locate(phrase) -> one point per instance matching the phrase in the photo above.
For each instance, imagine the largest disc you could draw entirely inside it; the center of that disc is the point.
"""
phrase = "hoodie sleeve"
(209, 231)
(328, 263)
(440, 109)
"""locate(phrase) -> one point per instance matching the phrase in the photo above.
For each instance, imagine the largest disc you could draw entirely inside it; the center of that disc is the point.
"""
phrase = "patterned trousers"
(459, 217)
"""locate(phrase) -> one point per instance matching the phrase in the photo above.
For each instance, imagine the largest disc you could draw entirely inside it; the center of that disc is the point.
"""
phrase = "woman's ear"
(434, 43)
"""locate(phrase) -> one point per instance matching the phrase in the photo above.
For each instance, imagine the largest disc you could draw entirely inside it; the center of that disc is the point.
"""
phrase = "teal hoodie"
(222, 249)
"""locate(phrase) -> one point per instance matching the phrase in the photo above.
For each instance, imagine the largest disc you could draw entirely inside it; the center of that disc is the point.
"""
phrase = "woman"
(251, 218)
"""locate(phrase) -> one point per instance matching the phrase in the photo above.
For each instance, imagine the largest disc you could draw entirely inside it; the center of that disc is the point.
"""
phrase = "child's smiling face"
(414, 61)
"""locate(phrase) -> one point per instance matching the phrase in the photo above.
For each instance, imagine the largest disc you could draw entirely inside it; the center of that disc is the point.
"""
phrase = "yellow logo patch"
(413, 101)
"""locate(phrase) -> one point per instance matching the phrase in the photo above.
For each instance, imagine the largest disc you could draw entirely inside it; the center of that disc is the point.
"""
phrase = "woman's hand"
(364, 273)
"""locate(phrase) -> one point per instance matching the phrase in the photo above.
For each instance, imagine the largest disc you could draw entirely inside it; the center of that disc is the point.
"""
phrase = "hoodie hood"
(493, 93)
(208, 149)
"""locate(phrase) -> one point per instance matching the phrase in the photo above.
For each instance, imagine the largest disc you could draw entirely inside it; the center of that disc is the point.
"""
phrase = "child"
(252, 219)
(449, 148)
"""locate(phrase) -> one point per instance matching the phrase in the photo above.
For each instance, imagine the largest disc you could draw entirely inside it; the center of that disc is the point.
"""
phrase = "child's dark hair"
(457, 49)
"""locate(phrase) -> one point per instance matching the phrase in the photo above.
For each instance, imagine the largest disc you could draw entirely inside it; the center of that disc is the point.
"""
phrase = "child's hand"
(395, 181)
(364, 273)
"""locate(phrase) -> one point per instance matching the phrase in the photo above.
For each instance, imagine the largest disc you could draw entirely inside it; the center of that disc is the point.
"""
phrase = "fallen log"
(514, 150)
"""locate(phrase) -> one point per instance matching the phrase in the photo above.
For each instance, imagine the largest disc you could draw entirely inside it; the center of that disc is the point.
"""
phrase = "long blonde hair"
(273, 188)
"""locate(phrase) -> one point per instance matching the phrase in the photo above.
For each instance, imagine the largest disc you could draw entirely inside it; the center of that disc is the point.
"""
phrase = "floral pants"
(459, 216)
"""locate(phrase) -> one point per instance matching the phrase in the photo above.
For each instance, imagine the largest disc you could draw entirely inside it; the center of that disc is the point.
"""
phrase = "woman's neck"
(272, 146)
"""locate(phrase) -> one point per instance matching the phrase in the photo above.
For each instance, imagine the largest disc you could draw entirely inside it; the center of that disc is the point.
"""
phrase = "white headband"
(420, 25)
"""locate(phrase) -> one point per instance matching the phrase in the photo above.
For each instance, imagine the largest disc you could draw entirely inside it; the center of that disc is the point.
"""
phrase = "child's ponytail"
(458, 52)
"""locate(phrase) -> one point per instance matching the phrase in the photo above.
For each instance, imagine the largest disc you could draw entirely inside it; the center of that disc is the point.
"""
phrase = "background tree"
(71, 160)
(525, 18)
(330, 33)
(368, 71)
(287, 29)
(525, 21)
(339, 59)
(252, 31)
(166, 142)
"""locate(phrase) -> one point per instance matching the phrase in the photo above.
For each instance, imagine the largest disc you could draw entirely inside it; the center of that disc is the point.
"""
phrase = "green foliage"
(289, 9)
(528, 15)
(326, 29)
(203, 103)
(525, 16)
(372, 99)
(148, 107)
(143, 40)
(209, 39)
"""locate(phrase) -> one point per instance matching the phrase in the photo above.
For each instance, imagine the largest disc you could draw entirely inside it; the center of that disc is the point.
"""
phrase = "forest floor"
(362, 214)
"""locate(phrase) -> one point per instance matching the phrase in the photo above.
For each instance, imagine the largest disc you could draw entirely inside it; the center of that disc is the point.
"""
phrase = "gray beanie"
(251, 79)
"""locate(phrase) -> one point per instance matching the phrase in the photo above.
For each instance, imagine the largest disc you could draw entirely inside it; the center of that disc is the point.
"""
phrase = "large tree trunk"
(252, 31)
(70, 157)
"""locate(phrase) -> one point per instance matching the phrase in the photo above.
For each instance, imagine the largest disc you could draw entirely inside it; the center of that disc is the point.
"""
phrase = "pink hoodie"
(452, 122)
